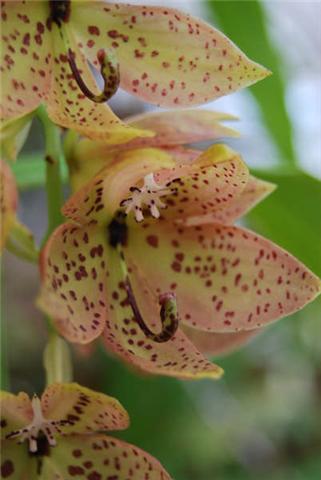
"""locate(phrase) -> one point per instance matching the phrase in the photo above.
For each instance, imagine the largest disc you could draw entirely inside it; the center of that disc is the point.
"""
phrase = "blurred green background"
(263, 419)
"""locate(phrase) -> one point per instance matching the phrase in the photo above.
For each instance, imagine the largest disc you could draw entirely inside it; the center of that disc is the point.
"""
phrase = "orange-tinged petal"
(98, 457)
(85, 410)
(226, 279)
(16, 412)
(254, 192)
(74, 270)
(179, 128)
(13, 134)
(166, 57)
(8, 202)
(176, 357)
(16, 462)
(69, 107)
(100, 198)
(211, 182)
(25, 57)
(219, 343)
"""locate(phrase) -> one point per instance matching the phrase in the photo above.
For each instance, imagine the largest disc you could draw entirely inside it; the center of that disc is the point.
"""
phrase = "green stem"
(57, 360)
(53, 158)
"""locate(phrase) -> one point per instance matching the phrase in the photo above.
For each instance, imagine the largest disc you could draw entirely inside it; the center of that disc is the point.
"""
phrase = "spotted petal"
(213, 344)
(176, 357)
(226, 279)
(98, 457)
(101, 197)
(8, 202)
(166, 57)
(69, 107)
(179, 128)
(25, 57)
(208, 184)
(86, 411)
(16, 412)
(16, 463)
(74, 271)
(254, 192)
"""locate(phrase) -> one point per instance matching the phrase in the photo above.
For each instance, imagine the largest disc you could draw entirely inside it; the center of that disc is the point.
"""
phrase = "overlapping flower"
(160, 54)
(13, 234)
(158, 282)
(60, 436)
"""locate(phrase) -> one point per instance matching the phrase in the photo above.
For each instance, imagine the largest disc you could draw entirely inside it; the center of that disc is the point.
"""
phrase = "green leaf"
(245, 23)
(290, 216)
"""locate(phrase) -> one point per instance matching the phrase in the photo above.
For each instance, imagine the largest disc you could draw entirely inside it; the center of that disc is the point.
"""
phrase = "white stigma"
(149, 195)
(39, 424)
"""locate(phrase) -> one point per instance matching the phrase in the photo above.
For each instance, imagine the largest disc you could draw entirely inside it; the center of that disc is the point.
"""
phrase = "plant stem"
(53, 158)
(57, 360)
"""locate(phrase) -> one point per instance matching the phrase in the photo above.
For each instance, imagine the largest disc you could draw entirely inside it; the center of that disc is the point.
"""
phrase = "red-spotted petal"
(255, 191)
(179, 128)
(69, 107)
(8, 202)
(25, 57)
(16, 412)
(17, 463)
(166, 57)
(98, 457)
(85, 410)
(176, 357)
(208, 184)
(219, 343)
(226, 279)
(74, 271)
(101, 197)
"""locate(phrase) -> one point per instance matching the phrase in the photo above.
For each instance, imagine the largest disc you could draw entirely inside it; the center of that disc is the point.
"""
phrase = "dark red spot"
(7, 469)
(93, 30)
(152, 240)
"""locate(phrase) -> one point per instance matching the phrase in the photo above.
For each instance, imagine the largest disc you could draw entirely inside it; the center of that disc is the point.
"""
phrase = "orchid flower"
(149, 256)
(172, 131)
(13, 234)
(59, 436)
(159, 54)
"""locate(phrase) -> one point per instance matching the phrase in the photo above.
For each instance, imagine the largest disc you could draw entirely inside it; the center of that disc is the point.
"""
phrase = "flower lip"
(118, 232)
(168, 315)
(109, 71)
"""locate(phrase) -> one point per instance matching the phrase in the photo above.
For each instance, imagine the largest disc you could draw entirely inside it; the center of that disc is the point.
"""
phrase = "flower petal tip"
(215, 374)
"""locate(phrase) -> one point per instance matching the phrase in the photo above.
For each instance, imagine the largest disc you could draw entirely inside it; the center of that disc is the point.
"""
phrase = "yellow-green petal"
(85, 410)
(226, 279)
(16, 462)
(99, 457)
(74, 268)
(16, 412)
(166, 57)
(254, 192)
(26, 61)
